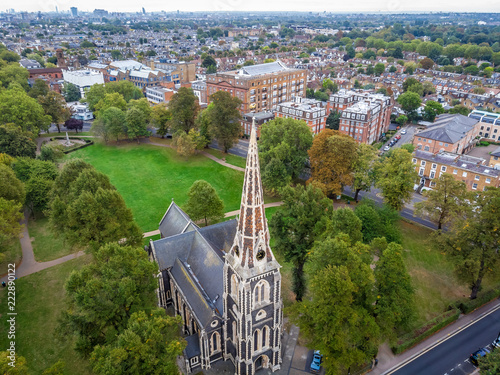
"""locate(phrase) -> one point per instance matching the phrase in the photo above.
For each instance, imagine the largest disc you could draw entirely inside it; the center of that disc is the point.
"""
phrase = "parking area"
(483, 152)
(405, 135)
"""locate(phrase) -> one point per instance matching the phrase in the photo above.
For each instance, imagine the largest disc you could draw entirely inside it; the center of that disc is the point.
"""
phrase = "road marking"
(437, 343)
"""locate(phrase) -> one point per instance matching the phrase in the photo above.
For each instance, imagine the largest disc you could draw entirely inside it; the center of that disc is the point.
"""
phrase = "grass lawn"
(45, 245)
(431, 272)
(148, 177)
(40, 298)
(13, 254)
(230, 159)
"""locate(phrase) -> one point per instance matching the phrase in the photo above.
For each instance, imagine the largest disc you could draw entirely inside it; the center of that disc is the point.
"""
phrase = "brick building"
(489, 124)
(260, 119)
(312, 111)
(158, 95)
(452, 133)
(260, 87)
(364, 116)
(181, 71)
(471, 170)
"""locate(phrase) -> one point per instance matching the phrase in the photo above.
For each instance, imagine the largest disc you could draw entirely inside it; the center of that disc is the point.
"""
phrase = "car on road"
(387, 148)
(403, 131)
(316, 362)
(474, 357)
(496, 343)
(397, 138)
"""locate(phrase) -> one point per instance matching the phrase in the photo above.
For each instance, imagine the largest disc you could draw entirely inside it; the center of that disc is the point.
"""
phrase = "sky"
(261, 5)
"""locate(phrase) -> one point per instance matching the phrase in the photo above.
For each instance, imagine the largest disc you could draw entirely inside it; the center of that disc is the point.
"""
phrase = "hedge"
(470, 305)
(88, 142)
(407, 341)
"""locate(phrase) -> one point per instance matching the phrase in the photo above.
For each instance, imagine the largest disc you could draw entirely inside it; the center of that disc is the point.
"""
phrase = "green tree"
(428, 88)
(295, 226)
(55, 106)
(283, 149)
(395, 306)
(224, 119)
(490, 364)
(378, 222)
(104, 294)
(184, 143)
(136, 121)
(94, 95)
(431, 110)
(150, 345)
(38, 194)
(363, 168)
(396, 177)
(460, 109)
(410, 102)
(445, 202)
(473, 238)
(16, 142)
(333, 120)
(71, 92)
(18, 108)
(21, 367)
(401, 120)
(160, 118)
(344, 220)
(332, 157)
(127, 89)
(11, 188)
(13, 74)
(10, 229)
(56, 369)
(39, 88)
(184, 108)
(110, 100)
(204, 203)
(379, 69)
(110, 124)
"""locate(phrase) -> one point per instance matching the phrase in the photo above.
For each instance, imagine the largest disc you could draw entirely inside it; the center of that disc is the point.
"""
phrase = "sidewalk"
(387, 360)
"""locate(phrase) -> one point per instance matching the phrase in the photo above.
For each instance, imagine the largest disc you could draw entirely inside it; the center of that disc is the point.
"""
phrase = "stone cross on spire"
(251, 244)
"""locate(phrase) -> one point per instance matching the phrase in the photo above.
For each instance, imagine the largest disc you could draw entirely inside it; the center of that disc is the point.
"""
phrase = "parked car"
(398, 137)
(316, 362)
(403, 131)
(387, 148)
(474, 357)
(496, 343)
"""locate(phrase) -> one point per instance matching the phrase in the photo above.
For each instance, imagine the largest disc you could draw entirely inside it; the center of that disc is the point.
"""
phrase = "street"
(452, 355)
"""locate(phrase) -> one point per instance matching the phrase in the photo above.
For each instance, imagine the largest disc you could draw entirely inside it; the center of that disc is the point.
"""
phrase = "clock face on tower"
(260, 254)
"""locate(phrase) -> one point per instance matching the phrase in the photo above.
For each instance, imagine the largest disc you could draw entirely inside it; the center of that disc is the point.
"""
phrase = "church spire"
(251, 246)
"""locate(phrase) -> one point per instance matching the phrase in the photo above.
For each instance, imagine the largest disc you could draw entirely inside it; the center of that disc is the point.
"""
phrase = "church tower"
(253, 310)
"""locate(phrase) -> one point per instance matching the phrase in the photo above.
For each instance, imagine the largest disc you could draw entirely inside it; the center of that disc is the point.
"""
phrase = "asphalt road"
(451, 357)
(240, 149)
(86, 128)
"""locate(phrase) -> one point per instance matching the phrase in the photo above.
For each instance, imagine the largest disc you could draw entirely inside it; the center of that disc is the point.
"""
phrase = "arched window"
(265, 337)
(261, 292)
(256, 340)
(234, 287)
(215, 342)
(235, 332)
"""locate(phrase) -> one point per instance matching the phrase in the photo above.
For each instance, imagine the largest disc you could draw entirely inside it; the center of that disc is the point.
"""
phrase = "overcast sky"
(260, 5)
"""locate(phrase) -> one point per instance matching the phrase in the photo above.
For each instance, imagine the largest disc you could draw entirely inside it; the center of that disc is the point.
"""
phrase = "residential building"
(259, 118)
(471, 170)
(312, 111)
(259, 87)
(200, 90)
(83, 79)
(494, 161)
(181, 71)
(158, 95)
(453, 133)
(81, 111)
(30, 64)
(489, 124)
(146, 78)
(364, 116)
(224, 282)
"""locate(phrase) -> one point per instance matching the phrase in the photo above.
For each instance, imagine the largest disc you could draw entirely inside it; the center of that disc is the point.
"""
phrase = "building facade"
(489, 124)
(312, 111)
(83, 79)
(224, 281)
(248, 120)
(260, 87)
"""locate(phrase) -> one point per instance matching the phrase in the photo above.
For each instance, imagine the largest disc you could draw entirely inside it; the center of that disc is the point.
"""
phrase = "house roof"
(193, 346)
(449, 128)
(260, 69)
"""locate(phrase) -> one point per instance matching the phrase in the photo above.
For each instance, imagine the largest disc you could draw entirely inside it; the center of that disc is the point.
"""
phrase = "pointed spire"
(251, 245)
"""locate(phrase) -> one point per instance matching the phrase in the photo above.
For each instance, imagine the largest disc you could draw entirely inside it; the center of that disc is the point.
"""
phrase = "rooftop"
(449, 128)
(466, 162)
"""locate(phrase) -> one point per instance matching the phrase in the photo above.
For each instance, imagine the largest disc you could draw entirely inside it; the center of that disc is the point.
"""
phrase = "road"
(240, 149)
(86, 128)
(451, 357)
(405, 138)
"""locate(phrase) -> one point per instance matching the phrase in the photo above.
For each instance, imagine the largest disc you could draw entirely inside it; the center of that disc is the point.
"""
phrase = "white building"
(83, 79)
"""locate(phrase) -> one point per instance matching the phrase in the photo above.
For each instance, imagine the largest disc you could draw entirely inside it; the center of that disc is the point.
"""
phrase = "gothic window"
(234, 287)
(265, 337)
(260, 315)
(235, 332)
(215, 342)
(261, 292)
(256, 340)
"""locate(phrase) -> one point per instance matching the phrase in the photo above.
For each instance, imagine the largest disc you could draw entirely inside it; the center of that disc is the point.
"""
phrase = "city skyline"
(393, 6)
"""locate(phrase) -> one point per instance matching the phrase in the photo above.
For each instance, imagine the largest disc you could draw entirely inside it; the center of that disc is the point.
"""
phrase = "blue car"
(474, 357)
(316, 362)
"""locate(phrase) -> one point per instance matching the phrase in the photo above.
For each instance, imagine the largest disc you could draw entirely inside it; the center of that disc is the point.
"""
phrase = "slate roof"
(193, 346)
(260, 69)
(496, 152)
(174, 221)
(465, 162)
(449, 128)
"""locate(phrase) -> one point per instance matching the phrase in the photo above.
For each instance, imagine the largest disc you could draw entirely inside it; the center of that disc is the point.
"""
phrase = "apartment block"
(489, 124)
(158, 95)
(312, 111)
(260, 119)
(474, 172)
(452, 133)
(364, 116)
(260, 87)
(181, 71)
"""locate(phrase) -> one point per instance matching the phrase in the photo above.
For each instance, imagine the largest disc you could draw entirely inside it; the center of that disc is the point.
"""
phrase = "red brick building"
(312, 111)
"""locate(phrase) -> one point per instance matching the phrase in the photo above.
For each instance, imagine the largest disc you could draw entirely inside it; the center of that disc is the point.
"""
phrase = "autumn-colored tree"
(332, 157)
(160, 117)
(55, 106)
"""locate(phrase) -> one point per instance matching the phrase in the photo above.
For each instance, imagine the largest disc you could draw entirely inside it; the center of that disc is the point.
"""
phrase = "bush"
(88, 142)
(469, 305)
(483, 144)
(407, 341)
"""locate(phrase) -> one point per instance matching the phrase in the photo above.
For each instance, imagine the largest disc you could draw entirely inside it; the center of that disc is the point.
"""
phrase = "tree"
(396, 177)
(127, 89)
(56, 369)
(26, 168)
(445, 202)
(208, 62)
(21, 367)
(39, 88)
(150, 345)
(55, 106)
(295, 226)
(184, 143)
(94, 95)
(184, 108)
(395, 306)
(344, 220)
(363, 168)
(428, 88)
(283, 149)
(490, 364)
(13, 74)
(10, 216)
(136, 123)
(460, 109)
(333, 120)
(377, 222)
(204, 203)
(426, 63)
(16, 142)
(71, 92)
(160, 118)
(379, 68)
(18, 108)
(224, 119)
(104, 294)
(38, 194)
(432, 109)
(410, 81)
(110, 100)
(73, 124)
(410, 102)
(110, 124)
(332, 158)
(472, 241)
(401, 120)
(11, 188)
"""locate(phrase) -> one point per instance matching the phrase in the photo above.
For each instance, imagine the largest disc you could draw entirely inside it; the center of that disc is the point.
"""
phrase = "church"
(224, 281)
